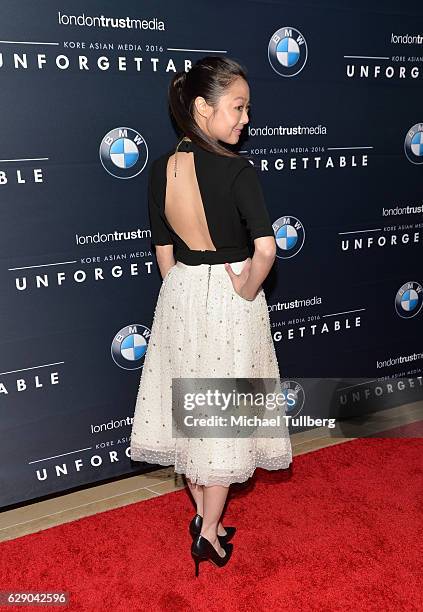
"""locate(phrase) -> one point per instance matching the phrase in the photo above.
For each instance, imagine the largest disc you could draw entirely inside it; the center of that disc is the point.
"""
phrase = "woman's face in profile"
(231, 115)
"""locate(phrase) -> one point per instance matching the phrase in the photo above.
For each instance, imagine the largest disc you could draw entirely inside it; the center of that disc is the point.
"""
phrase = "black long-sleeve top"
(233, 202)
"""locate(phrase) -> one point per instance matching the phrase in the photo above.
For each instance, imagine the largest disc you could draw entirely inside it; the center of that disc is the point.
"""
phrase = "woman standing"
(211, 319)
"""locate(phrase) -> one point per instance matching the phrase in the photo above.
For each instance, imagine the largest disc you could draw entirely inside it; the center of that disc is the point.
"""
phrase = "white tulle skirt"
(202, 328)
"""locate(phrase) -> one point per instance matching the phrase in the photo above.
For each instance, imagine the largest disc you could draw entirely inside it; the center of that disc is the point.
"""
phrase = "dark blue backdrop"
(335, 135)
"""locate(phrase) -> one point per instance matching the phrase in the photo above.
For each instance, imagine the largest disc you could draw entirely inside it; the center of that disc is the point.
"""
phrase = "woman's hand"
(239, 280)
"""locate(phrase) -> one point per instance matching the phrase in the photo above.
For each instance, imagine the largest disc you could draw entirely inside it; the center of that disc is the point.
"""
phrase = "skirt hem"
(194, 478)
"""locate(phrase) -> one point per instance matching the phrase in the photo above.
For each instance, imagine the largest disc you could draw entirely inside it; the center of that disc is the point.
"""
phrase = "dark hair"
(209, 77)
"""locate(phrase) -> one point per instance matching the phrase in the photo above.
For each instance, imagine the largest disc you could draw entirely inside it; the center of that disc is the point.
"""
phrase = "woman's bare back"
(184, 208)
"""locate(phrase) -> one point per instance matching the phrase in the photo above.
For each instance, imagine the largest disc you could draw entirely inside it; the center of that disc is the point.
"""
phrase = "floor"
(66, 507)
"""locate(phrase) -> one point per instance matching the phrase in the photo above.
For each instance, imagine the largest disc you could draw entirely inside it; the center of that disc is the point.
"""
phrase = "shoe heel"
(202, 548)
(197, 565)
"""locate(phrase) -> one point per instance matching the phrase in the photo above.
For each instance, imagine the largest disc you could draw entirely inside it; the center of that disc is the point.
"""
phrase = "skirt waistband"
(192, 257)
(200, 268)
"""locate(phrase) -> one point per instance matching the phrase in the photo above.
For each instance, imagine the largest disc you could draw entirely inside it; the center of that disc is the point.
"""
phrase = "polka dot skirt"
(203, 329)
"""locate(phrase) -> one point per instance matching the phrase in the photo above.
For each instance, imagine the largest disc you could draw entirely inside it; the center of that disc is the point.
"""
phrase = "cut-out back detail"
(184, 207)
(211, 211)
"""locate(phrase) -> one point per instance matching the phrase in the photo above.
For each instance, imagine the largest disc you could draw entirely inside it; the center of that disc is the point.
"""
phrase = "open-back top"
(211, 210)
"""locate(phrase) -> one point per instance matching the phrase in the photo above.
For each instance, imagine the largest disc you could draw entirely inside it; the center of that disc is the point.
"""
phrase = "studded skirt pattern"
(202, 328)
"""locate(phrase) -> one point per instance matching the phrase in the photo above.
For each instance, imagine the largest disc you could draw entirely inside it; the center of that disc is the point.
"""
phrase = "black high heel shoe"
(203, 550)
(195, 529)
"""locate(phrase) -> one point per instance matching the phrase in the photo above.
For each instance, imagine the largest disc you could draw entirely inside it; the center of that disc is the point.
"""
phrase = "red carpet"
(342, 530)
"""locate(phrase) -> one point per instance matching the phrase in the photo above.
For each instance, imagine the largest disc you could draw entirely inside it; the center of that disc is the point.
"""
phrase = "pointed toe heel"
(230, 532)
(203, 550)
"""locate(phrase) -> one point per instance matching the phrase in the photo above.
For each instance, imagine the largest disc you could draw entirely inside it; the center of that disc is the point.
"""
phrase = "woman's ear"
(201, 106)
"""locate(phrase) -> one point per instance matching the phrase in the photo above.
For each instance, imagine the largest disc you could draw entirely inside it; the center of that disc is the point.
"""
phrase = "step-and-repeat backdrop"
(336, 135)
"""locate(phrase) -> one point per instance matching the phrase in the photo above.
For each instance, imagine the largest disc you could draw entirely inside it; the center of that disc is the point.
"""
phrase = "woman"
(211, 320)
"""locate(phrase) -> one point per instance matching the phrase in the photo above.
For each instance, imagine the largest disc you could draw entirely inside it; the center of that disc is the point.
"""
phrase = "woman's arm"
(261, 264)
(249, 199)
(160, 236)
(165, 258)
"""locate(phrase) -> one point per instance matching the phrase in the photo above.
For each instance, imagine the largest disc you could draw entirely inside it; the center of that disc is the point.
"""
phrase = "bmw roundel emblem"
(287, 51)
(123, 152)
(289, 236)
(294, 395)
(413, 144)
(129, 346)
(409, 299)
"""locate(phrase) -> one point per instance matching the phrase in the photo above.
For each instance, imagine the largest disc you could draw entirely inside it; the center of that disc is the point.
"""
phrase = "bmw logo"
(409, 299)
(123, 153)
(287, 51)
(413, 144)
(289, 235)
(129, 346)
(294, 396)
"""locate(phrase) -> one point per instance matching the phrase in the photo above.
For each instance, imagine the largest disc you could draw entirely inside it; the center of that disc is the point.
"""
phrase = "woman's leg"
(197, 492)
(214, 498)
